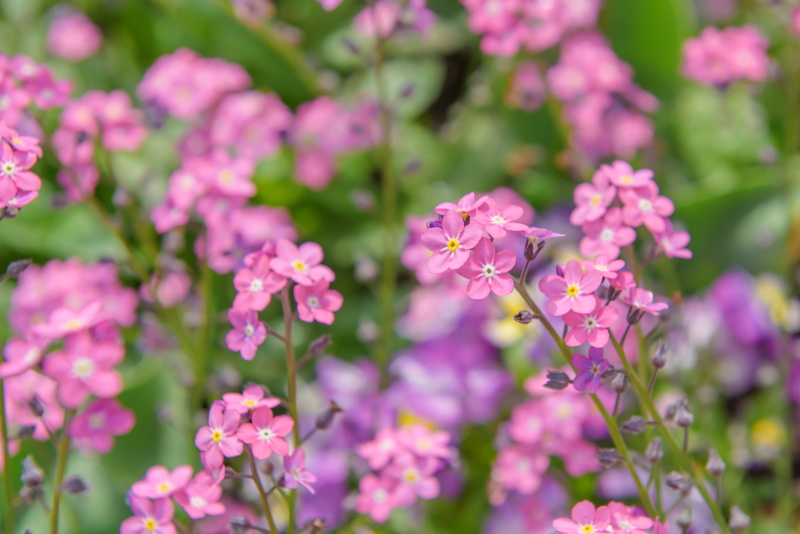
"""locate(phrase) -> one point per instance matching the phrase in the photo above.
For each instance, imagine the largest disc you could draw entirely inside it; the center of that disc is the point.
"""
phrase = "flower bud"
(319, 345)
(659, 358)
(533, 246)
(739, 521)
(684, 518)
(654, 451)
(16, 268)
(715, 466)
(26, 431)
(634, 425)
(677, 481)
(683, 416)
(557, 380)
(29, 495)
(634, 315)
(619, 383)
(325, 419)
(32, 474)
(73, 484)
(608, 457)
(524, 317)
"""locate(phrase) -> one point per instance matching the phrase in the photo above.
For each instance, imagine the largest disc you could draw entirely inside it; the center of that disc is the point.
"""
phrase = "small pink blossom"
(251, 398)
(256, 286)
(160, 483)
(590, 370)
(295, 472)
(200, 497)
(247, 334)
(591, 202)
(625, 522)
(65, 321)
(265, 433)
(467, 205)
(487, 271)
(590, 326)
(497, 221)
(316, 302)
(419, 440)
(572, 292)
(585, 520)
(451, 243)
(381, 450)
(520, 468)
(643, 205)
(377, 497)
(642, 299)
(672, 243)
(621, 174)
(607, 268)
(19, 355)
(73, 37)
(150, 517)
(416, 478)
(219, 438)
(606, 236)
(96, 426)
(302, 264)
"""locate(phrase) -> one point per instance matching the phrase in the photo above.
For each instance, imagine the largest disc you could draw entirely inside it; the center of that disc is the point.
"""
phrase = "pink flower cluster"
(73, 36)
(508, 26)
(23, 82)
(463, 241)
(407, 460)
(616, 518)
(551, 423)
(76, 308)
(270, 270)
(717, 57)
(18, 185)
(601, 102)
(387, 17)
(96, 115)
(617, 200)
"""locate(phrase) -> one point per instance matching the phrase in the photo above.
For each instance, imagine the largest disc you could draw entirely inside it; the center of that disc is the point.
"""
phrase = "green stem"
(611, 423)
(683, 458)
(204, 338)
(261, 493)
(291, 369)
(8, 493)
(61, 467)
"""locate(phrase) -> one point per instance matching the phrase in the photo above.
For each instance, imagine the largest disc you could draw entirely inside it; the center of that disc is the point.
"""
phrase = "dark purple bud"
(319, 345)
(434, 224)
(524, 317)
(230, 472)
(26, 431)
(560, 270)
(654, 451)
(608, 457)
(30, 495)
(715, 466)
(155, 115)
(16, 268)
(619, 383)
(325, 419)
(634, 315)
(683, 417)
(634, 425)
(36, 407)
(239, 525)
(10, 212)
(739, 521)
(659, 358)
(32, 474)
(677, 481)
(74, 485)
(557, 380)
(533, 246)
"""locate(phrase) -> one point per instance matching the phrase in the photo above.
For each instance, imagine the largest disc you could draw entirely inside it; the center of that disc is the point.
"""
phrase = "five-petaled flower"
(451, 243)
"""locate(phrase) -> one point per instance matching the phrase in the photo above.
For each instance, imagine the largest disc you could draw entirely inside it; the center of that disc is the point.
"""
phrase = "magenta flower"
(487, 271)
(256, 286)
(219, 438)
(295, 472)
(426, 444)
(528, 423)
(160, 483)
(718, 57)
(265, 433)
(73, 36)
(642, 300)
(201, 496)
(416, 478)
(316, 302)
(381, 450)
(466, 206)
(673, 244)
(497, 221)
(97, 425)
(591, 201)
(590, 370)
(150, 517)
(623, 281)
(19, 355)
(302, 264)
(251, 398)
(85, 367)
(64, 321)
(590, 326)
(607, 268)
(624, 522)
(606, 236)
(377, 497)
(643, 205)
(14, 165)
(247, 334)
(621, 174)
(520, 468)
(572, 292)
(451, 243)
(585, 520)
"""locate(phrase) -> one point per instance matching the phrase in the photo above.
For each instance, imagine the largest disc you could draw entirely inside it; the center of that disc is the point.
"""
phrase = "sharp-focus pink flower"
(590, 370)
(591, 202)
(621, 174)
(19, 355)
(73, 37)
(643, 205)
(295, 472)
(256, 286)
(317, 302)
(160, 483)
(572, 292)
(150, 517)
(14, 168)
(497, 221)
(247, 334)
(85, 367)
(65, 321)
(520, 468)
(642, 299)
(451, 243)
(487, 271)
(606, 236)
(201, 496)
(302, 264)
(377, 497)
(625, 522)
(265, 433)
(467, 205)
(585, 520)
(673, 244)
(590, 326)
(95, 427)
(251, 398)
(219, 438)
(608, 269)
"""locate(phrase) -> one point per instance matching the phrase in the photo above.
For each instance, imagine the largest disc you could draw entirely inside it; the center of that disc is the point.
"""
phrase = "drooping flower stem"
(611, 423)
(7, 491)
(682, 456)
(291, 369)
(61, 468)
(260, 488)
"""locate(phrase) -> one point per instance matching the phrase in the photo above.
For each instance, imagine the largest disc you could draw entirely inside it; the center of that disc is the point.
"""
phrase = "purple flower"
(590, 370)
(296, 472)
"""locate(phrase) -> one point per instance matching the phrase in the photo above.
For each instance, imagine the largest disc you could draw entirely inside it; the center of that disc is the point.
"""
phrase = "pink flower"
(219, 438)
(497, 221)
(95, 427)
(160, 483)
(621, 174)
(487, 270)
(642, 300)
(528, 423)
(643, 205)
(377, 497)
(623, 281)
(381, 450)
(20, 392)
(624, 522)
(673, 244)
(585, 520)
(466, 206)
(265, 433)
(520, 468)
(85, 367)
(247, 334)
(718, 57)
(256, 286)
(590, 326)
(200, 497)
(317, 303)
(302, 264)
(73, 37)
(591, 202)
(608, 269)
(251, 398)
(573, 292)
(421, 441)
(590, 370)
(150, 517)
(19, 355)
(64, 321)
(606, 236)
(451, 243)
(295, 472)
(14, 169)
(416, 478)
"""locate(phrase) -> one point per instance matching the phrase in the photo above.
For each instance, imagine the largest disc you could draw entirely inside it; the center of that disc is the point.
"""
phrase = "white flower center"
(607, 235)
(489, 271)
(249, 330)
(266, 434)
(312, 302)
(380, 495)
(524, 465)
(83, 368)
(257, 285)
(197, 502)
(645, 205)
(590, 323)
(9, 168)
(498, 220)
(32, 356)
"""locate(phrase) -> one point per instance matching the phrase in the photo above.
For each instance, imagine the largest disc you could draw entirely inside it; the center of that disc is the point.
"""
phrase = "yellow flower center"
(226, 176)
(164, 487)
(572, 290)
(410, 475)
(587, 529)
(453, 244)
(216, 436)
(298, 265)
(150, 524)
(596, 200)
(626, 179)
(249, 403)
